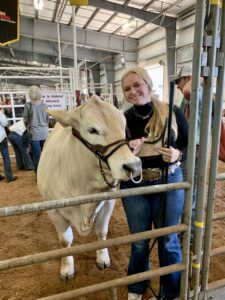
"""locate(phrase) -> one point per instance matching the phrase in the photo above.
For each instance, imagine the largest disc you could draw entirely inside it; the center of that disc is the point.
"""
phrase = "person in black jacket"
(147, 128)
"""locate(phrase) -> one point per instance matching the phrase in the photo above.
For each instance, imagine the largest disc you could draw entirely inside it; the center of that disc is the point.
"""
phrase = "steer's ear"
(63, 117)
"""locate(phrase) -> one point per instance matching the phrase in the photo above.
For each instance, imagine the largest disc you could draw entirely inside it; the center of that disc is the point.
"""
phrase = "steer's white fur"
(68, 169)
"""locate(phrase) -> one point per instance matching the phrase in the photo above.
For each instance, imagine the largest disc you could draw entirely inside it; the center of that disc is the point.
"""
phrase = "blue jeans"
(36, 147)
(23, 159)
(144, 210)
(6, 159)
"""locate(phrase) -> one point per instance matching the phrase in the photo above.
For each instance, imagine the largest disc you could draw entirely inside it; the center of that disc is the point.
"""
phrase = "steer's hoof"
(66, 278)
(103, 265)
(103, 260)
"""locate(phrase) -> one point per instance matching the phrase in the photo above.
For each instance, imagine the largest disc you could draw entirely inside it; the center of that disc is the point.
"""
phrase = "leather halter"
(99, 151)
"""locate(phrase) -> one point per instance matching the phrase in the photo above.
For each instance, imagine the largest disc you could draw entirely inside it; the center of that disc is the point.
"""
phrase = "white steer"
(88, 154)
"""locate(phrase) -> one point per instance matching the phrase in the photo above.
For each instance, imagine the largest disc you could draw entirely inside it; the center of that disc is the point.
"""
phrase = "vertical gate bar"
(214, 158)
(59, 54)
(75, 48)
(212, 31)
(198, 41)
(72, 99)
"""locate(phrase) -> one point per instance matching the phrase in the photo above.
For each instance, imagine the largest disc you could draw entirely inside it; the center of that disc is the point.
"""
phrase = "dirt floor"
(34, 233)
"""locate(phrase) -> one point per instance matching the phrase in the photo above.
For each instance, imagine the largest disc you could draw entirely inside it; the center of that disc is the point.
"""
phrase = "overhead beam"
(91, 18)
(147, 16)
(45, 30)
(60, 10)
(46, 52)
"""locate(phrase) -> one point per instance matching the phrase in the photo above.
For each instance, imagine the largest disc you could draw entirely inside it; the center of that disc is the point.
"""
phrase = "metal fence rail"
(117, 282)
(58, 253)
(54, 204)
(49, 255)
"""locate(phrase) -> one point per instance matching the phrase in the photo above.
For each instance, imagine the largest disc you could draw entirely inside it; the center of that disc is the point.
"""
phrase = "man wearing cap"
(183, 81)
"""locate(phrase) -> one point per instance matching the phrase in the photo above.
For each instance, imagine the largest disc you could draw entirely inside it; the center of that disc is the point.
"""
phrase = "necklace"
(139, 115)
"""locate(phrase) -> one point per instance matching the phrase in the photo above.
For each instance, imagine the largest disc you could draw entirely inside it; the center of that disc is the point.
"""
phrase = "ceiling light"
(38, 4)
(126, 25)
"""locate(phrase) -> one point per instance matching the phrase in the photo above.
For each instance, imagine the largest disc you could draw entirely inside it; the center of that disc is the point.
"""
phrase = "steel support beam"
(163, 21)
(47, 31)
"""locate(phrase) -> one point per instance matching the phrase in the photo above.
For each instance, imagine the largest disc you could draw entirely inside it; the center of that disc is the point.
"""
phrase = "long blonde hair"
(156, 124)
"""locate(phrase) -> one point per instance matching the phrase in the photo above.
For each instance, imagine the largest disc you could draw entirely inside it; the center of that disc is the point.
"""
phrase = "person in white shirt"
(4, 149)
(23, 159)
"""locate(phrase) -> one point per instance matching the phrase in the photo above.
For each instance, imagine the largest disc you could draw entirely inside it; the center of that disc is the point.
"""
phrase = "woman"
(146, 124)
(36, 120)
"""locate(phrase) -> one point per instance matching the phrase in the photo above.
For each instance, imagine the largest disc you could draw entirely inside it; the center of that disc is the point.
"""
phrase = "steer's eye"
(93, 131)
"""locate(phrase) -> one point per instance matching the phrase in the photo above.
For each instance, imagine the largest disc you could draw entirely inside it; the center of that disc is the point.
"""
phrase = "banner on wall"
(9, 21)
(78, 2)
(54, 100)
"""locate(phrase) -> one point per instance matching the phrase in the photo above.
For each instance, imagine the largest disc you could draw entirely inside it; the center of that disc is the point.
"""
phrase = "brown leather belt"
(152, 174)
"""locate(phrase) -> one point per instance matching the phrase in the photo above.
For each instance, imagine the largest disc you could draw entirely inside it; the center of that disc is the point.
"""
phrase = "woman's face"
(136, 89)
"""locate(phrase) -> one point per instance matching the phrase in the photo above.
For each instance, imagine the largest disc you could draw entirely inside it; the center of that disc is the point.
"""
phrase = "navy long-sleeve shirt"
(136, 128)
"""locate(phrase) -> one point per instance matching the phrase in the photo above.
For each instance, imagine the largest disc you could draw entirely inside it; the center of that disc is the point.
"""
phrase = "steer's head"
(100, 123)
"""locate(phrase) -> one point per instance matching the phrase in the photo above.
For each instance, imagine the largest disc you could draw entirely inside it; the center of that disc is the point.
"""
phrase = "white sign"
(54, 100)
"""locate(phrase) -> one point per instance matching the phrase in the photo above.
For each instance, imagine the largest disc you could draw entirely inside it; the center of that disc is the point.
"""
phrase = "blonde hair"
(156, 125)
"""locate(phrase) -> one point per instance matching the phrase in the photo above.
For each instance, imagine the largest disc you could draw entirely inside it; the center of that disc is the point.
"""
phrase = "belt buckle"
(151, 174)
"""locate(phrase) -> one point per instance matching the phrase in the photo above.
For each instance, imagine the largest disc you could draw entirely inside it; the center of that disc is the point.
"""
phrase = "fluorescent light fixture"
(126, 25)
(38, 4)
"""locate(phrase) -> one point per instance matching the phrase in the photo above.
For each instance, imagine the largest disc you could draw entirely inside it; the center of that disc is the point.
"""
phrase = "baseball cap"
(184, 72)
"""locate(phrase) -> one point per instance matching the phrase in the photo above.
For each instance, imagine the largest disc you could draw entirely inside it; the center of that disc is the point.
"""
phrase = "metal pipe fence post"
(212, 32)
(214, 157)
(75, 48)
(194, 106)
(60, 55)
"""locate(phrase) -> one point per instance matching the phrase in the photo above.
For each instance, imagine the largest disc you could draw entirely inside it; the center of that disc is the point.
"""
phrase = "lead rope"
(164, 179)
(113, 186)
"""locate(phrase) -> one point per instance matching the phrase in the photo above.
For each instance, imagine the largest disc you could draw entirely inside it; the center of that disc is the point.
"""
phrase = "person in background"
(8, 110)
(146, 124)
(83, 98)
(5, 150)
(23, 159)
(183, 81)
(36, 119)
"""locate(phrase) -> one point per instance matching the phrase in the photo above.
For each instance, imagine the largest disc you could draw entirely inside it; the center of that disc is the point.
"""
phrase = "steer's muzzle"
(134, 168)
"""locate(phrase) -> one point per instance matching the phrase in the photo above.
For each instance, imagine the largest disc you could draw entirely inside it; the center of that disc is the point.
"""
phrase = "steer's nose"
(133, 167)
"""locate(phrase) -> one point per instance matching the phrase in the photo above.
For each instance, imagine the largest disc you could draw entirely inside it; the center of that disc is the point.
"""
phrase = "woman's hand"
(170, 154)
(135, 145)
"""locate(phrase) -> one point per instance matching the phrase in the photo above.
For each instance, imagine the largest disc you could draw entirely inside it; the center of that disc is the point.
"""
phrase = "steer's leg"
(65, 234)
(101, 228)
